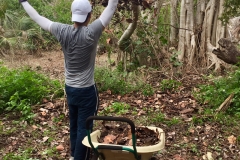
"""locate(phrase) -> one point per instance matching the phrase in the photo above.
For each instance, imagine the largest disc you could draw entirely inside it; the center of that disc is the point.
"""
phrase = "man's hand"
(20, 1)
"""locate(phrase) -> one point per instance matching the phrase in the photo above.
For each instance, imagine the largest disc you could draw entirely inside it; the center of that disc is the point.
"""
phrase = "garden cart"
(120, 152)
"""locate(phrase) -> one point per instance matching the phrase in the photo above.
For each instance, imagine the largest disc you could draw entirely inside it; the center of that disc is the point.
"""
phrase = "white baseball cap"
(80, 10)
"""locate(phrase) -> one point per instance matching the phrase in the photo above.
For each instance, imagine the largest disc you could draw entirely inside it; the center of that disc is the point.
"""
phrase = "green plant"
(21, 88)
(49, 152)
(173, 121)
(22, 155)
(215, 93)
(118, 108)
(117, 82)
(174, 59)
(194, 148)
(159, 117)
(147, 90)
(197, 120)
(169, 85)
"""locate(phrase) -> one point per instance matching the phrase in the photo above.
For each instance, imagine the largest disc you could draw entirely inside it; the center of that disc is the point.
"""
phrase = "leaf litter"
(121, 135)
(186, 140)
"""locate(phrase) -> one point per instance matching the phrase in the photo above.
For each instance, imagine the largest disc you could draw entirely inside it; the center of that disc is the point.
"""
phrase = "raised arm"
(43, 22)
(108, 12)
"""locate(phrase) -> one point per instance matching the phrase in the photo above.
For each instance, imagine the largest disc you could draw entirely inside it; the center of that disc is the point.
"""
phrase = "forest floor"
(190, 133)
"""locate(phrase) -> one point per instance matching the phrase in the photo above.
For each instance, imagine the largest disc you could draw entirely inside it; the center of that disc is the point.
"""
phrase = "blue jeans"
(82, 103)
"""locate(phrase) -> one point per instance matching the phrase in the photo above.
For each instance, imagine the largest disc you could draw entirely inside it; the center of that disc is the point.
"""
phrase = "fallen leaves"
(208, 156)
(60, 147)
(232, 139)
(109, 139)
(45, 139)
(121, 135)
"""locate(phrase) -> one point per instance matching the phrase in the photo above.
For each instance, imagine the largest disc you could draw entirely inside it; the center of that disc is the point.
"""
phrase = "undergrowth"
(214, 94)
(121, 82)
(21, 88)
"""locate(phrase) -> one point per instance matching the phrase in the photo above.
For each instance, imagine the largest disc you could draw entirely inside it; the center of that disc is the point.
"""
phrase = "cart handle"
(108, 118)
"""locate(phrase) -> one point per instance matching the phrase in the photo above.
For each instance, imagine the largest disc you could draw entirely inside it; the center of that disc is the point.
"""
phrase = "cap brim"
(78, 18)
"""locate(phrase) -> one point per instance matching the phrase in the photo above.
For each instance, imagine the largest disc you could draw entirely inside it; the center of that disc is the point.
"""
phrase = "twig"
(173, 26)
(225, 105)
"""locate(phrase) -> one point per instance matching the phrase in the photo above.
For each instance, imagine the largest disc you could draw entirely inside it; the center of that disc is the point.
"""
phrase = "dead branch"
(226, 104)
(227, 51)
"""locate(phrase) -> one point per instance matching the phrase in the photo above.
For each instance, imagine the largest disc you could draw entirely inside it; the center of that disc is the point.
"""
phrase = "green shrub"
(113, 80)
(169, 85)
(215, 93)
(20, 88)
(147, 90)
(117, 108)
(17, 24)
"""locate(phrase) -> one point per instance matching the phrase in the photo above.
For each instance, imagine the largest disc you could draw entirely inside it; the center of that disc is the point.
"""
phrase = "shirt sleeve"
(97, 28)
(43, 22)
(56, 29)
(108, 12)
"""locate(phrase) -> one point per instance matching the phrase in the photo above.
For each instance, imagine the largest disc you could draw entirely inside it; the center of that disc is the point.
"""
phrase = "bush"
(215, 93)
(120, 82)
(112, 80)
(25, 33)
(21, 88)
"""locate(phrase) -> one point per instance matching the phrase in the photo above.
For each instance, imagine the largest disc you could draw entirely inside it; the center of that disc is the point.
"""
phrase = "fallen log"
(227, 51)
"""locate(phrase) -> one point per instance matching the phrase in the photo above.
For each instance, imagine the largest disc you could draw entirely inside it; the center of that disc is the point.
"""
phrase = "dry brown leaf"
(109, 139)
(208, 156)
(108, 40)
(43, 113)
(14, 143)
(186, 111)
(138, 101)
(44, 100)
(34, 127)
(60, 147)
(191, 130)
(109, 91)
(45, 139)
(49, 105)
(104, 105)
(232, 139)
(141, 112)
(130, 142)
(178, 157)
(185, 139)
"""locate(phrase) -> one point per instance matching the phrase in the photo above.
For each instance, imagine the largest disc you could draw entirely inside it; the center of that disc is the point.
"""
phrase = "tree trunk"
(124, 42)
(201, 5)
(131, 28)
(190, 37)
(174, 19)
(182, 32)
(227, 51)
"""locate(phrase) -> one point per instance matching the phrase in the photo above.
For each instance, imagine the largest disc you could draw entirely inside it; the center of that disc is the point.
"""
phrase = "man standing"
(79, 45)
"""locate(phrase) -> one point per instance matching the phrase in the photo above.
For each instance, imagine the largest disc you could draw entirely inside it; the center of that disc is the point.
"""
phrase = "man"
(79, 44)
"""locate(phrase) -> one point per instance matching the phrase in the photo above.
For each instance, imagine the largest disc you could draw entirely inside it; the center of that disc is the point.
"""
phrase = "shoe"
(72, 158)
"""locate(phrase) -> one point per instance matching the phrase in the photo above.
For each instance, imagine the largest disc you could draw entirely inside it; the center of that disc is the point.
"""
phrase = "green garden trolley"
(120, 152)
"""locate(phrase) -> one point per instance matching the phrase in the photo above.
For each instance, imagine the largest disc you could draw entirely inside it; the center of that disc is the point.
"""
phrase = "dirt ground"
(189, 135)
(50, 63)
